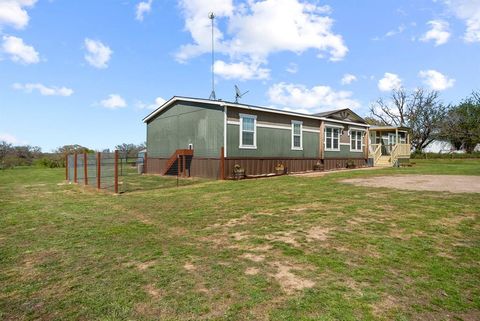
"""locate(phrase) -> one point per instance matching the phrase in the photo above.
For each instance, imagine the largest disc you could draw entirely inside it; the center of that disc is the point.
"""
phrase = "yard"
(285, 248)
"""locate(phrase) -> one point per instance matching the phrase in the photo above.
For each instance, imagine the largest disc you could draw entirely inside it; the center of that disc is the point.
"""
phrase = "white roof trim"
(228, 104)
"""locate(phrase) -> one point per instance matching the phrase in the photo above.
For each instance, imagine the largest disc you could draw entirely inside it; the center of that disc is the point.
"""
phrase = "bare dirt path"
(437, 183)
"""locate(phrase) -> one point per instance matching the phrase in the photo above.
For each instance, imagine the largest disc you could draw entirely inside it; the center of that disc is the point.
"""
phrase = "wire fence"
(118, 173)
(98, 170)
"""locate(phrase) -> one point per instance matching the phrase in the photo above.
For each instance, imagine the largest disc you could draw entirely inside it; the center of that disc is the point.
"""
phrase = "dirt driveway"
(438, 183)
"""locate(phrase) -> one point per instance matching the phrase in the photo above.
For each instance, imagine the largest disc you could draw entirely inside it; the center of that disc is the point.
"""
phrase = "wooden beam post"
(222, 163)
(116, 172)
(66, 168)
(85, 168)
(322, 138)
(184, 166)
(99, 170)
(367, 142)
(75, 168)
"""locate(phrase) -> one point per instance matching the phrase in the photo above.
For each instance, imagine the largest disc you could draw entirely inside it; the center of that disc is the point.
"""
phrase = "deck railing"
(400, 150)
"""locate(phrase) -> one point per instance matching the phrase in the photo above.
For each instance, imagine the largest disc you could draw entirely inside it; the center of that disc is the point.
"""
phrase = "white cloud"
(143, 8)
(98, 54)
(10, 139)
(13, 13)
(310, 100)
(19, 51)
(436, 80)
(158, 102)
(439, 32)
(240, 70)
(395, 32)
(292, 68)
(44, 90)
(389, 82)
(113, 101)
(468, 11)
(348, 79)
(256, 29)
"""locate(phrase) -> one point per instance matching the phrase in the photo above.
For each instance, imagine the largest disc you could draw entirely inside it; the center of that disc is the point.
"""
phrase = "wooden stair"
(178, 156)
(384, 161)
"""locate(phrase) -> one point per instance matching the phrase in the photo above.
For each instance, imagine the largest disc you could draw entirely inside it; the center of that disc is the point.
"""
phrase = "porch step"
(384, 161)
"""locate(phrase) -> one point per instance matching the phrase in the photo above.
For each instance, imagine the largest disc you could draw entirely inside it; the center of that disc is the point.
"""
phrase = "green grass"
(170, 253)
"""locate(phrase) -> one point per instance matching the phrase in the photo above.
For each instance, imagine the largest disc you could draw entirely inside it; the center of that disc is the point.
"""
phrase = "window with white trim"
(297, 142)
(332, 138)
(248, 131)
(355, 141)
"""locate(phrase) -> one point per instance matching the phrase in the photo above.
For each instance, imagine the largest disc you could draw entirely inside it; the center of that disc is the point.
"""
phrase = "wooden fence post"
(145, 163)
(222, 163)
(99, 171)
(75, 169)
(66, 168)
(85, 168)
(116, 171)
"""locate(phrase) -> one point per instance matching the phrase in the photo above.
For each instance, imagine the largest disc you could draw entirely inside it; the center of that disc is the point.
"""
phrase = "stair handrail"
(377, 154)
(394, 154)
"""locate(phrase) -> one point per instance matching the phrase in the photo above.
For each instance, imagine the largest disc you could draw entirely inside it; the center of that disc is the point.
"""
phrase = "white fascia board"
(223, 103)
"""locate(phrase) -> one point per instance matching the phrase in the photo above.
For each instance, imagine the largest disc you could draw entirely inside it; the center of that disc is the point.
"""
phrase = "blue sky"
(87, 72)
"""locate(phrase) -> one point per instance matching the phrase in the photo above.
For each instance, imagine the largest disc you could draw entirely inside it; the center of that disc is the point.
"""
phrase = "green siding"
(183, 124)
(344, 152)
(272, 142)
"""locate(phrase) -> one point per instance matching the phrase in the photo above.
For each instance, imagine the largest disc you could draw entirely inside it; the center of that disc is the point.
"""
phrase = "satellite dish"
(238, 94)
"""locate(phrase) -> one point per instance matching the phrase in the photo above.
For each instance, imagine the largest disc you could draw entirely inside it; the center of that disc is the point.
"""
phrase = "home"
(207, 138)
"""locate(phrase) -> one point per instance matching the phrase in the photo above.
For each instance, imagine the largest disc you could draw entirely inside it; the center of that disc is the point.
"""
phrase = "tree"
(393, 112)
(462, 124)
(129, 150)
(421, 111)
(374, 121)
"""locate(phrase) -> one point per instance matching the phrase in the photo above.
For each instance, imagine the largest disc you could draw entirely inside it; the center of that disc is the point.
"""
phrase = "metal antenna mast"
(211, 16)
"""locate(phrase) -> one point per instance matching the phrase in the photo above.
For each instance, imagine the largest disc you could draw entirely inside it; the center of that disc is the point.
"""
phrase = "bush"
(418, 155)
(49, 162)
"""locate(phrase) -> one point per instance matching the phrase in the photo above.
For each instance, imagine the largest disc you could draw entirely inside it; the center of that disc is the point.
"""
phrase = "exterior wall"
(344, 151)
(272, 142)
(186, 123)
(203, 126)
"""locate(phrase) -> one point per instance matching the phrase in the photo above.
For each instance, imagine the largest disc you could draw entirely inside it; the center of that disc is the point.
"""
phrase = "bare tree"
(421, 111)
(391, 112)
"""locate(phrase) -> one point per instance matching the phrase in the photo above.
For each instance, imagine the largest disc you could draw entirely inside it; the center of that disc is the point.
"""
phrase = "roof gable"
(345, 114)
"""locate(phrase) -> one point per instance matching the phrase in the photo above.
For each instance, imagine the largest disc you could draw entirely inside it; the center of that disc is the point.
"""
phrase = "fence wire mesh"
(118, 173)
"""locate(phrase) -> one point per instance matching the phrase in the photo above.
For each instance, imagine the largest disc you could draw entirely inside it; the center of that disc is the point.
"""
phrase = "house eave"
(246, 107)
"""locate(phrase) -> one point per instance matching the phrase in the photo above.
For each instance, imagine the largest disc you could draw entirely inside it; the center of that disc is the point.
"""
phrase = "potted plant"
(318, 167)
(238, 172)
(280, 169)
(351, 164)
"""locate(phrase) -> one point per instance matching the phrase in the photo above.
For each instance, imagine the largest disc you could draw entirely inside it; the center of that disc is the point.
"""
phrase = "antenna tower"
(211, 16)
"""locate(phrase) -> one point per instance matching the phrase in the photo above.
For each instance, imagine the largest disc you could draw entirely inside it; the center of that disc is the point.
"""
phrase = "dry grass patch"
(289, 281)
(251, 271)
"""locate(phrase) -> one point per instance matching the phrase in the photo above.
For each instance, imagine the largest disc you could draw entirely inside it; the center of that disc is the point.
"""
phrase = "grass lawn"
(286, 248)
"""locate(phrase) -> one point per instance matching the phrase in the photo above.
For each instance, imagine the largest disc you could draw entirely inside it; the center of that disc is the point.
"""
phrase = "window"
(332, 138)
(297, 135)
(391, 139)
(355, 141)
(248, 131)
